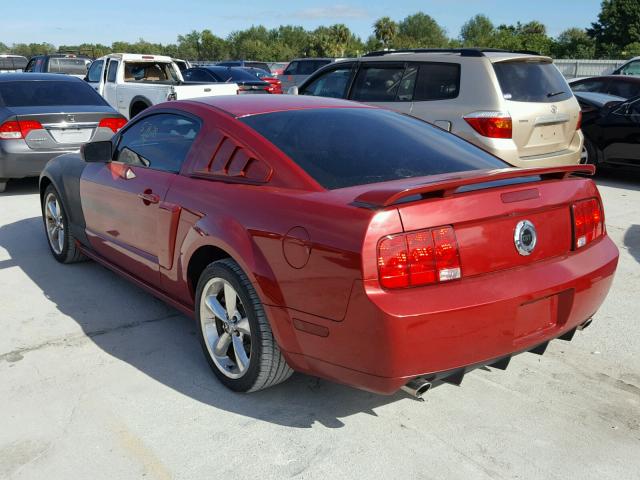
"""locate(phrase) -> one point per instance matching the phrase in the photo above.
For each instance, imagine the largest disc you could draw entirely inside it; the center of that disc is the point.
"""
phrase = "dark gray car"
(45, 115)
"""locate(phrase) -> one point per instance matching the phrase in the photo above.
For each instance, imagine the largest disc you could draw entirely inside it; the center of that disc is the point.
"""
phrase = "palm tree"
(385, 30)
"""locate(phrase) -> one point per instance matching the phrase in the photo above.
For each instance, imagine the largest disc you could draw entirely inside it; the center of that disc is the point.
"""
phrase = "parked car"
(334, 238)
(71, 64)
(182, 64)
(618, 85)
(12, 63)
(245, 63)
(275, 84)
(516, 106)
(277, 68)
(245, 81)
(45, 115)
(611, 127)
(632, 67)
(132, 82)
(300, 69)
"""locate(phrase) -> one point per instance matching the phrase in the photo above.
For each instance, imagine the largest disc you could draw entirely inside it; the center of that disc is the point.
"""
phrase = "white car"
(131, 82)
(12, 63)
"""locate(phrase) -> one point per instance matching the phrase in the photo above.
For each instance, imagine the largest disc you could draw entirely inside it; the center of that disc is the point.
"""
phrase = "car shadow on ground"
(134, 327)
(618, 177)
(21, 186)
(632, 241)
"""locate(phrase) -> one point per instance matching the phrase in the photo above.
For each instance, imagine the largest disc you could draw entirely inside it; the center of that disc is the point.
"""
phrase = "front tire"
(56, 225)
(234, 331)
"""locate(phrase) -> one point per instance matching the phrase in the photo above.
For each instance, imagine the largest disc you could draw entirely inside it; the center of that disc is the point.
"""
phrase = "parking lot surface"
(100, 380)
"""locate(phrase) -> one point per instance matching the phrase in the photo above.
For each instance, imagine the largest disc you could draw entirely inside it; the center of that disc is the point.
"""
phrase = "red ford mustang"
(334, 238)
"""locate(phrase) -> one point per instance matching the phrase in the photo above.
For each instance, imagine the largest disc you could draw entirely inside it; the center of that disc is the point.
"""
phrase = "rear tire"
(589, 153)
(258, 363)
(56, 226)
(3, 184)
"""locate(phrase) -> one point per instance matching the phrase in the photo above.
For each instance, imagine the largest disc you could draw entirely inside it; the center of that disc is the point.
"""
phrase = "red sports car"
(334, 238)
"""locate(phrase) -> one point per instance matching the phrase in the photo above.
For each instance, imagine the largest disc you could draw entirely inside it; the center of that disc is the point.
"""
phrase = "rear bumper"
(383, 342)
(17, 160)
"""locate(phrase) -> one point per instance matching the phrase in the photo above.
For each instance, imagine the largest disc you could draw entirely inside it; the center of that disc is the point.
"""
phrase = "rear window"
(30, 93)
(235, 75)
(71, 66)
(13, 63)
(531, 82)
(260, 65)
(305, 67)
(356, 146)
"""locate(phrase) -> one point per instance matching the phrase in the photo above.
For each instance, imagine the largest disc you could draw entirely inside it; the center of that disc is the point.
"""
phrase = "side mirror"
(97, 152)
(292, 90)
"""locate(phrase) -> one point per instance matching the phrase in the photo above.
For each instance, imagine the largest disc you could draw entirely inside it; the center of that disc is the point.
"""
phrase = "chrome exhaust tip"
(417, 387)
(585, 324)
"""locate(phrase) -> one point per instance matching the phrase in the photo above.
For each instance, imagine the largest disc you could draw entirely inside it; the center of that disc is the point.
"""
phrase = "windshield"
(29, 93)
(343, 147)
(160, 72)
(531, 82)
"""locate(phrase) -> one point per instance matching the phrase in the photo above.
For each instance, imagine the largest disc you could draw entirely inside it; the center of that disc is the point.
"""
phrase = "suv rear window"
(531, 82)
(29, 93)
(71, 66)
(356, 146)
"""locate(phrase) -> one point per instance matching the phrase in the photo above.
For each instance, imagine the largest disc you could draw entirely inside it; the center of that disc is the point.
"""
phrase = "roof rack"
(464, 52)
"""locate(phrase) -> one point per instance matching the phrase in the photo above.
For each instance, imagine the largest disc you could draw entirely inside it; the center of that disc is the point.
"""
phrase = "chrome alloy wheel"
(584, 155)
(225, 328)
(55, 223)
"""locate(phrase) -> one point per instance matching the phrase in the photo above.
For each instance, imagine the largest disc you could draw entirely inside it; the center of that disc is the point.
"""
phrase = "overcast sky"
(65, 22)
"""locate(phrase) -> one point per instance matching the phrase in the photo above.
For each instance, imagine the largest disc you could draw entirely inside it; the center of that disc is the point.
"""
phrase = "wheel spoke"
(222, 345)
(242, 360)
(230, 300)
(60, 239)
(216, 308)
(52, 210)
(243, 326)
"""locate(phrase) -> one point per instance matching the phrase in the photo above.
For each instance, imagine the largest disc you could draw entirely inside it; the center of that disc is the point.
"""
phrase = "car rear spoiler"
(443, 186)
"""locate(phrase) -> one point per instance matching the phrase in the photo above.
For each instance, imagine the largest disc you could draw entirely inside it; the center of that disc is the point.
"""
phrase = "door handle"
(148, 197)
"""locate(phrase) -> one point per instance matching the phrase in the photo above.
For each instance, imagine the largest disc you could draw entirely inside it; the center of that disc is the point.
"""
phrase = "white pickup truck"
(131, 82)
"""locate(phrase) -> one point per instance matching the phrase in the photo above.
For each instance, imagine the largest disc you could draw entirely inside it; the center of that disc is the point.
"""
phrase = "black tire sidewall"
(62, 257)
(248, 380)
(591, 152)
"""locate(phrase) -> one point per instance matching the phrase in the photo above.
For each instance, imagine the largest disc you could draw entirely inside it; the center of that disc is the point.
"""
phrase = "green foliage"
(478, 32)
(618, 25)
(385, 30)
(574, 43)
(420, 31)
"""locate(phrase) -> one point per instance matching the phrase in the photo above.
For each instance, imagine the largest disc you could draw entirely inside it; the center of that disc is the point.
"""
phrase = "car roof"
(21, 77)
(617, 78)
(444, 54)
(599, 99)
(244, 105)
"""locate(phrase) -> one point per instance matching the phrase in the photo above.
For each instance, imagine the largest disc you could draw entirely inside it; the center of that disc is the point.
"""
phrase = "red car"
(334, 238)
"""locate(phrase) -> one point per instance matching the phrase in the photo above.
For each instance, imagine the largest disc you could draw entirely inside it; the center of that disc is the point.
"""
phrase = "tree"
(340, 36)
(213, 47)
(420, 30)
(574, 43)
(618, 25)
(3, 48)
(385, 30)
(478, 32)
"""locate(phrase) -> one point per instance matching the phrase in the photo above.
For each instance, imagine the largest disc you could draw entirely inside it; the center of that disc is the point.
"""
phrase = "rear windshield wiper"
(554, 94)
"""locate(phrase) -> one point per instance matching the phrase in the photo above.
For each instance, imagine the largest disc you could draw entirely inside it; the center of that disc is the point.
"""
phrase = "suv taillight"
(114, 124)
(588, 222)
(491, 124)
(418, 258)
(15, 130)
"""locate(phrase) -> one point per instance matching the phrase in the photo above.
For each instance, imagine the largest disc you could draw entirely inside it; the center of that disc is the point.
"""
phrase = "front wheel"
(234, 332)
(56, 224)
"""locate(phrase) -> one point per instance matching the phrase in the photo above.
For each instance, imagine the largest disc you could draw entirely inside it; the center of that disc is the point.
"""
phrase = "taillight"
(418, 258)
(14, 129)
(579, 124)
(491, 124)
(588, 222)
(114, 124)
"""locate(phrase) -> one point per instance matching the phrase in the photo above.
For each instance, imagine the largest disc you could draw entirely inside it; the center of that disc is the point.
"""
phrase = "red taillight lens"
(418, 258)
(579, 124)
(491, 124)
(588, 222)
(114, 124)
(14, 130)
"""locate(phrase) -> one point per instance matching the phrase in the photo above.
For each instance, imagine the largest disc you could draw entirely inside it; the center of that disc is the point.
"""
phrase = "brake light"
(491, 124)
(588, 222)
(114, 124)
(15, 130)
(579, 124)
(418, 258)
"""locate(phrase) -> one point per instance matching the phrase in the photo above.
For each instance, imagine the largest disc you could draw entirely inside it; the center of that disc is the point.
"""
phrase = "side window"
(160, 142)
(333, 83)
(437, 81)
(589, 86)
(379, 83)
(95, 71)
(291, 69)
(197, 76)
(632, 68)
(113, 70)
